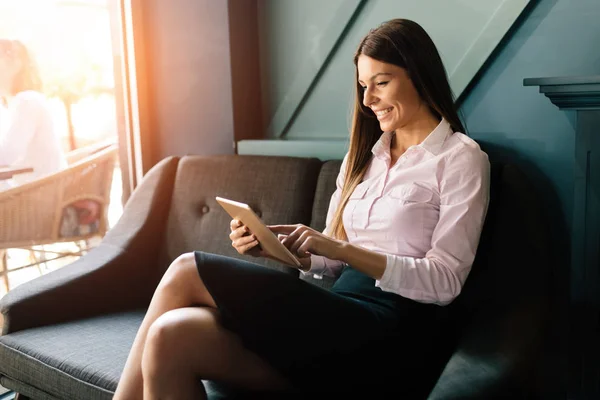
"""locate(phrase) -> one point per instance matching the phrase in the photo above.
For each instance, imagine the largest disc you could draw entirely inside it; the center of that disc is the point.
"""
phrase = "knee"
(171, 339)
(181, 272)
(182, 281)
(161, 345)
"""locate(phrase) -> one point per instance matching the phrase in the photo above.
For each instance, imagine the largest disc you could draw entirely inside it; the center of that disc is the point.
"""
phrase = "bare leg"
(180, 287)
(188, 343)
(174, 291)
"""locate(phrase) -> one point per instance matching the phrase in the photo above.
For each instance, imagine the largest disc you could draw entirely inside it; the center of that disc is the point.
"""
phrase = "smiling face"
(388, 92)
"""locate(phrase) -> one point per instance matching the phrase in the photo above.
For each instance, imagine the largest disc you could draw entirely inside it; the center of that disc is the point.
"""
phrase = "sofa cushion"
(76, 360)
(24, 390)
(279, 189)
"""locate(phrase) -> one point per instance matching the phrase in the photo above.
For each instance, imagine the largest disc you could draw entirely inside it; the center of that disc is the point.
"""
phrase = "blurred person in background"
(28, 137)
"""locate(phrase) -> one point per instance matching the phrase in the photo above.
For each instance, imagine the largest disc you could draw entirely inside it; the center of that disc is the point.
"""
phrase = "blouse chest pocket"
(356, 212)
(413, 215)
(413, 194)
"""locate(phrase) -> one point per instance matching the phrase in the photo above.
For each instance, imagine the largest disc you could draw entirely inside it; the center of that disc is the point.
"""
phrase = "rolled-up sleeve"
(439, 276)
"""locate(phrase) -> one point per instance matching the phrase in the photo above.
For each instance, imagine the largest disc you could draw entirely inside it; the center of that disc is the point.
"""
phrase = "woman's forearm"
(366, 261)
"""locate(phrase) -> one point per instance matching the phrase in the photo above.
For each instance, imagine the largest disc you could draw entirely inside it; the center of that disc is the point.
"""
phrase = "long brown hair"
(406, 44)
(28, 77)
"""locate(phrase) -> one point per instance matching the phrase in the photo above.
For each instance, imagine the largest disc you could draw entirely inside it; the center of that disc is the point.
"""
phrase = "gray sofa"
(66, 335)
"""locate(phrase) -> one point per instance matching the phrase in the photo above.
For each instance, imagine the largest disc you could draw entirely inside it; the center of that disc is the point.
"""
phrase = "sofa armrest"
(502, 316)
(496, 354)
(117, 275)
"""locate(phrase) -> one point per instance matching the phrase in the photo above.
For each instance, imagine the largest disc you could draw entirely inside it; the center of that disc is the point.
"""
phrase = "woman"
(402, 230)
(27, 134)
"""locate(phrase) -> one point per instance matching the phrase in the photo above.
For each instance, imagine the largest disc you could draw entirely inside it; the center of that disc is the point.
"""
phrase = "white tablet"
(267, 239)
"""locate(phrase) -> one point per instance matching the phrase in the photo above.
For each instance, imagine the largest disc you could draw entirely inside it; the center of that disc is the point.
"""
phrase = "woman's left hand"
(303, 241)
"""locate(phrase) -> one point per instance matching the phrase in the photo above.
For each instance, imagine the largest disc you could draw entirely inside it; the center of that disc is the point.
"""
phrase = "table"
(9, 172)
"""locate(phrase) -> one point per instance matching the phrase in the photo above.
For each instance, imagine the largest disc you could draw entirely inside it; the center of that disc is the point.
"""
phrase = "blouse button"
(204, 209)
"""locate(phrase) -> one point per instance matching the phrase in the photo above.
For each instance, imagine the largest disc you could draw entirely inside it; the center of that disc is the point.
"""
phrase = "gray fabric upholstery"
(279, 189)
(73, 360)
(325, 188)
(125, 259)
(25, 390)
(83, 359)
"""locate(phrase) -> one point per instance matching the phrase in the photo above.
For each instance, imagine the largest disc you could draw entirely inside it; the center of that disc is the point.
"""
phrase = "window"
(62, 179)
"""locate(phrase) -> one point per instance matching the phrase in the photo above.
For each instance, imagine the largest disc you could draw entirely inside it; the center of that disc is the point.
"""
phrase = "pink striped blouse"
(425, 213)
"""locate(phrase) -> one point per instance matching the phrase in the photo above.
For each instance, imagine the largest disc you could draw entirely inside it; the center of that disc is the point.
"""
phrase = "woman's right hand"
(246, 243)
(243, 241)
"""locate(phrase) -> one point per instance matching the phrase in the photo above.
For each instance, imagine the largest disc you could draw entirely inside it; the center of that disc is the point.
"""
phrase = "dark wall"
(201, 77)
(188, 80)
(553, 38)
(245, 69)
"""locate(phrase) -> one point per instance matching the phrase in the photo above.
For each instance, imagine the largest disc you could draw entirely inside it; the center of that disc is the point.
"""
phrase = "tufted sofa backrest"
(279, 189)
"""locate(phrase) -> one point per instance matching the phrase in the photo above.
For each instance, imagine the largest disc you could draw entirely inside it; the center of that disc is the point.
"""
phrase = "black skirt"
(352, 338)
